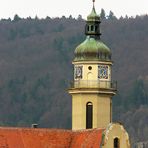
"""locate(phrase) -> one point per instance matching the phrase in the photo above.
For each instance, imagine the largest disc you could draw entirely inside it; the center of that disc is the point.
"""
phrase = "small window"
(96, 28)
(116, 143)
(89, 115)
(92, 28)
(87, 28)
(90, 68)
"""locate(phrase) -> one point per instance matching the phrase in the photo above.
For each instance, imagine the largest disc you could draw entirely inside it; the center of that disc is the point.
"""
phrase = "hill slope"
(35, 71)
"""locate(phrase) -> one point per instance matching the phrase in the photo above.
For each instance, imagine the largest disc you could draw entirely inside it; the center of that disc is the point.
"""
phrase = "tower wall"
(102, 115)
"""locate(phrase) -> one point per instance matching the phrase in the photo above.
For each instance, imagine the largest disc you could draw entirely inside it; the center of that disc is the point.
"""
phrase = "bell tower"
(92, 88)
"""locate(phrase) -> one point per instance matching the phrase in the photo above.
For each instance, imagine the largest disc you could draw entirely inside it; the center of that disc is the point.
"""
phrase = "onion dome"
(92, 48)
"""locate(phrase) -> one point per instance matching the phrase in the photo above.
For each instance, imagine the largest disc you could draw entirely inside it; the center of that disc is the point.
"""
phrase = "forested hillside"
(36, 69)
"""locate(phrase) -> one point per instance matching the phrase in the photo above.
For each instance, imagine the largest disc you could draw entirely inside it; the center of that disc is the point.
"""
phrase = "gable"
(115, 132)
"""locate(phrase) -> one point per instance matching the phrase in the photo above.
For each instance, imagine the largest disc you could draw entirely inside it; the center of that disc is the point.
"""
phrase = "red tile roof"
(49, 138)
(87, 138)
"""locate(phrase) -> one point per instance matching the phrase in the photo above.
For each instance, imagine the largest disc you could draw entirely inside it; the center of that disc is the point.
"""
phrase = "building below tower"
(53, 138)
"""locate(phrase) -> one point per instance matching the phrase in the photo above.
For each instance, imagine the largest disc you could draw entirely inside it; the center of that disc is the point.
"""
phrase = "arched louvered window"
(89, 115)
(92, 28)
(96, 28)
(87, 28)
(116, 143)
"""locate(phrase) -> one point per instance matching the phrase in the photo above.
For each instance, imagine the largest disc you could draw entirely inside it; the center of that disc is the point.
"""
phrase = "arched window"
(89, 115)
(96, 28)
(87, 28)
(92, 28)
(116, 143)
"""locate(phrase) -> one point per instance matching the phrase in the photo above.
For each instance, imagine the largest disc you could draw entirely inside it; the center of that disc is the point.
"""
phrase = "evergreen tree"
(79, 17)
(16, 18)
(102, 14)
(111, 16)
(138, 95)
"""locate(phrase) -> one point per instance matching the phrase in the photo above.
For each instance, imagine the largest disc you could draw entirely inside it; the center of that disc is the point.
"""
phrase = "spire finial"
(93, 3)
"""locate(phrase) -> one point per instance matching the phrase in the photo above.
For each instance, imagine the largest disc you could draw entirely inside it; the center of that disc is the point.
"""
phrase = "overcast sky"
(53, 8)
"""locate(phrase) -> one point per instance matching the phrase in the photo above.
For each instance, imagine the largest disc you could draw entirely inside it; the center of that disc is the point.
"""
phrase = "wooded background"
(36, 69)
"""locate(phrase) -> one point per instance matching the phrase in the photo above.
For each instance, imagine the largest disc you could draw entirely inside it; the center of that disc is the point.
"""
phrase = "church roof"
(92, 49)
(93, 16)
(49, 138)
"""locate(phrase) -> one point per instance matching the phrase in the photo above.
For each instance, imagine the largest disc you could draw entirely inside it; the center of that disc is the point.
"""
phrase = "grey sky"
(53, 8)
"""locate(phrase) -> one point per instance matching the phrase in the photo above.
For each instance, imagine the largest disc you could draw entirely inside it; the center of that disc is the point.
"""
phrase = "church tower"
(92, 88)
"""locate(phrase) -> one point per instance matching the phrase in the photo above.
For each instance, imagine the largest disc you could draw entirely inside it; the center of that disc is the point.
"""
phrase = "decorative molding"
(93, 62)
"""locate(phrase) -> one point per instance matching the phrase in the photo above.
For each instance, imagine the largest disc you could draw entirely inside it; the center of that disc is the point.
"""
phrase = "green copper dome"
(93, 16)
(92, 49)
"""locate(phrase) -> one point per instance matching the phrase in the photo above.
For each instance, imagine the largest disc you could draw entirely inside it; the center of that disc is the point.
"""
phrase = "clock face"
(103, 72)
(78, 72)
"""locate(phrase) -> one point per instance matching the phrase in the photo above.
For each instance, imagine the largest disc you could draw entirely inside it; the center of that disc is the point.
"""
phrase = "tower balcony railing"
(94, 84)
